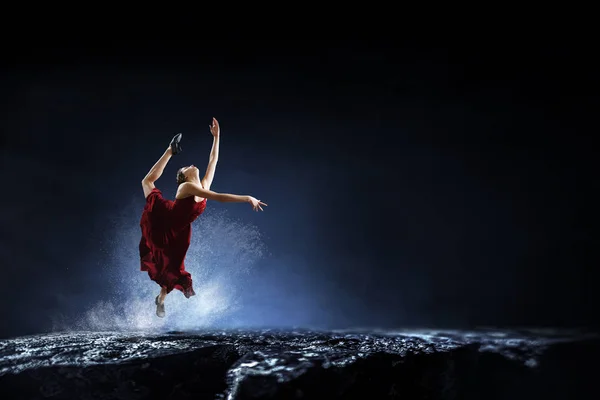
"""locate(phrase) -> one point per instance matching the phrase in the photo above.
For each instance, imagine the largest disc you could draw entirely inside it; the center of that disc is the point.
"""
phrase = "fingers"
(215, 126)
(257, 207)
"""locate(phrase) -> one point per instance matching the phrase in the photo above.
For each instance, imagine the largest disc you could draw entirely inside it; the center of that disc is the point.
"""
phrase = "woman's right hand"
(256, 204)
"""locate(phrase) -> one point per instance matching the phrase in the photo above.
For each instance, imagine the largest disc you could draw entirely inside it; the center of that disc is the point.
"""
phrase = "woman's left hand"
(214, 128)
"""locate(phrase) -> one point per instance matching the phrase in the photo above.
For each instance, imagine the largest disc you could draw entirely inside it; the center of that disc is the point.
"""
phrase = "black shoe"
(175, 144)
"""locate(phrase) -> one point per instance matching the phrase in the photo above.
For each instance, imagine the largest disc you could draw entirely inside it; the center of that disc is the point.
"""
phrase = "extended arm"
(212, 164)
(214, 155)
(155, 172)
(190, 188)
(193, 189)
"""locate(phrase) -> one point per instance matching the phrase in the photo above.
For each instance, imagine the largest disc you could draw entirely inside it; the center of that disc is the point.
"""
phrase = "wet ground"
(302, 364)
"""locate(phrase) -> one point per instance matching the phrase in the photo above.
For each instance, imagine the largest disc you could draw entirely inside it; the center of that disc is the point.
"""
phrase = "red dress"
(166, 234)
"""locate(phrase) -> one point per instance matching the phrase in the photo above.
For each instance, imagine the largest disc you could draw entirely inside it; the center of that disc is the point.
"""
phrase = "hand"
(214, 128)
(256, 204)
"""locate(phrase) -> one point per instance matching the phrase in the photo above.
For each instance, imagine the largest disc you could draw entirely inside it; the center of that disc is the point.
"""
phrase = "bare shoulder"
(183, 191)
(186, 189)
(205, 183)
(147, 186)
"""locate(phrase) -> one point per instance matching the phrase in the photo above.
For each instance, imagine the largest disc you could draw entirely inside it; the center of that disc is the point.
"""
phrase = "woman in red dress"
(166, 225)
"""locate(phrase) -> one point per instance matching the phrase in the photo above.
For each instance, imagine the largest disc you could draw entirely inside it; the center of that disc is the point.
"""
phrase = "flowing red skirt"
(166, 234)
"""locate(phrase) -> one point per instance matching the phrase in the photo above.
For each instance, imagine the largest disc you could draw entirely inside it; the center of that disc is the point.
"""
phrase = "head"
(188, 174)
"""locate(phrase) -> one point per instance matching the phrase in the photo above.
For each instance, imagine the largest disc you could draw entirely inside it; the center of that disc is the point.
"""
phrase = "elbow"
(210, 195)
(147, 180)
(214, 196)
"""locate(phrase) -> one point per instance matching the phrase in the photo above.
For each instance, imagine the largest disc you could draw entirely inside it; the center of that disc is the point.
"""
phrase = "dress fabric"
(166, 233)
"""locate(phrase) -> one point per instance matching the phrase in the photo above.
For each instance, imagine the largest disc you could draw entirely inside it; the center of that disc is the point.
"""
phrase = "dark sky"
(407, 186)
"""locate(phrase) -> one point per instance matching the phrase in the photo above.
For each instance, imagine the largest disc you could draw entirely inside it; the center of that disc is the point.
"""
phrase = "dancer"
(166, 225)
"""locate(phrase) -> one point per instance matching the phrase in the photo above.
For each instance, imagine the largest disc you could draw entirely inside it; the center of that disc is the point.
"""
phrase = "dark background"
(407, 186)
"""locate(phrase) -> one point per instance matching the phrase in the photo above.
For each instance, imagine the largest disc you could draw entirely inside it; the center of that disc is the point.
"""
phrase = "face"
(190, 172)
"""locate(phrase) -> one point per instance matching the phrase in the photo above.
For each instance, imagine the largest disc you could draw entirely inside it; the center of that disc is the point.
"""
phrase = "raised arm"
(214, 155)
(192, 189)
(155, 172)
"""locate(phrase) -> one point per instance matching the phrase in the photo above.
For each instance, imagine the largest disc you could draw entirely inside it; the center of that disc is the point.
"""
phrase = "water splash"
(222, 252)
